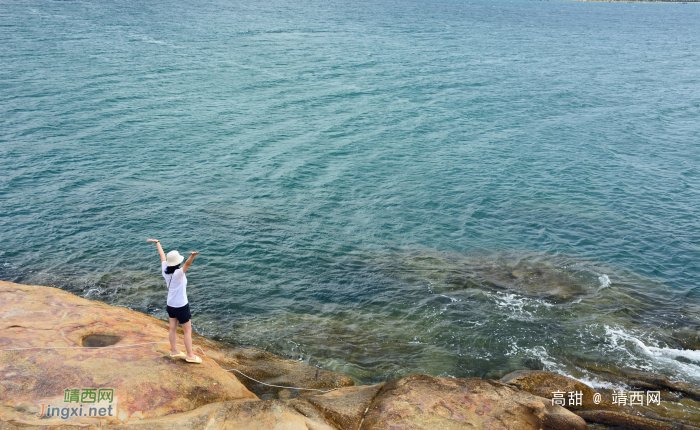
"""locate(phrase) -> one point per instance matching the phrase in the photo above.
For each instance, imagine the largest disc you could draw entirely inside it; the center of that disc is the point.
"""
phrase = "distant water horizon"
(455, 188)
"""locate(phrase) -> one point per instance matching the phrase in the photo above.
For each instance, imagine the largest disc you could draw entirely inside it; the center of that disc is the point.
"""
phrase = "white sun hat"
(174, 258)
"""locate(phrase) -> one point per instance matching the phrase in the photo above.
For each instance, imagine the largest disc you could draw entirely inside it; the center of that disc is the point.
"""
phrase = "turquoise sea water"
(459, 188)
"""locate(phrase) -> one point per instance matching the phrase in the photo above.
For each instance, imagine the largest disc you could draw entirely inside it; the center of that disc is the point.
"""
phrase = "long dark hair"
(169, 270)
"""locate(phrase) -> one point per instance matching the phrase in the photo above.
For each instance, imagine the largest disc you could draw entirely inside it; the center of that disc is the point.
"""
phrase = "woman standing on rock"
(178, 307)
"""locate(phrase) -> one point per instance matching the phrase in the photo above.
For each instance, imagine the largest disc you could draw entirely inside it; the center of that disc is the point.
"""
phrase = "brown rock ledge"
(154, 391)
(426, 402)
(542, 383)
(681, 413)
(147, 382)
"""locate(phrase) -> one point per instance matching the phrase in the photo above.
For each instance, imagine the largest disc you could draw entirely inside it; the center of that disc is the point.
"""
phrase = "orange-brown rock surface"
(681, 413)
(300, 413)
(154, 391)
(623, 420)
(426, 402)
(147, 383)
(346, 407)
(414, 402)
(543, 384)
(273, 370)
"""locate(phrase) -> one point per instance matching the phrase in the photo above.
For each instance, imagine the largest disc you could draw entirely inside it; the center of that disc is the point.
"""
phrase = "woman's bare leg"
(187, 328)
(173, 336)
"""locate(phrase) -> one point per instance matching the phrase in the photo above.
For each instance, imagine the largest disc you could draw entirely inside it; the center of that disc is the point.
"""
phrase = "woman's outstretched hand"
(160, 248)
(189, 261)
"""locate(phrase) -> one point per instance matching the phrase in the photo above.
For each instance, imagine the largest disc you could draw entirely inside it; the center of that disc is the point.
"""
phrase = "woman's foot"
(177, 354)
(194, 359)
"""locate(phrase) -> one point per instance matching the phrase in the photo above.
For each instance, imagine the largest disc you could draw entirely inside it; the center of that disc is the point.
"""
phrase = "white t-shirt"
(177, 292)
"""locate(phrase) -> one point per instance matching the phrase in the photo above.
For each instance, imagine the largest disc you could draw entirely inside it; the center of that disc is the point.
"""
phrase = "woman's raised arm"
(189, 261)
(160, 249)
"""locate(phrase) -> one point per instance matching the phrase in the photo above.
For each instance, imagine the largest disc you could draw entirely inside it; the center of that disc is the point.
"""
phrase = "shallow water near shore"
(457, 188)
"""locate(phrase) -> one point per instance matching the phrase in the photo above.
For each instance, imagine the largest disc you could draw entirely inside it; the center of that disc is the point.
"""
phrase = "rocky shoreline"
(151, 390)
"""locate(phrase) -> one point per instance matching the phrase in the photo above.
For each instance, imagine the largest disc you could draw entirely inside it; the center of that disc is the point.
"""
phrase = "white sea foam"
(604, 281)
(656, 358)
(635, 352)
(594, 382)
(551, 365)
(89, 292)
(675, 353)
(519, 307)
(514, 304)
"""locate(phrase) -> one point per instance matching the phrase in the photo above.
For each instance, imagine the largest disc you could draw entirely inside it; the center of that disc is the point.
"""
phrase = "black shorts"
(182, 314)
